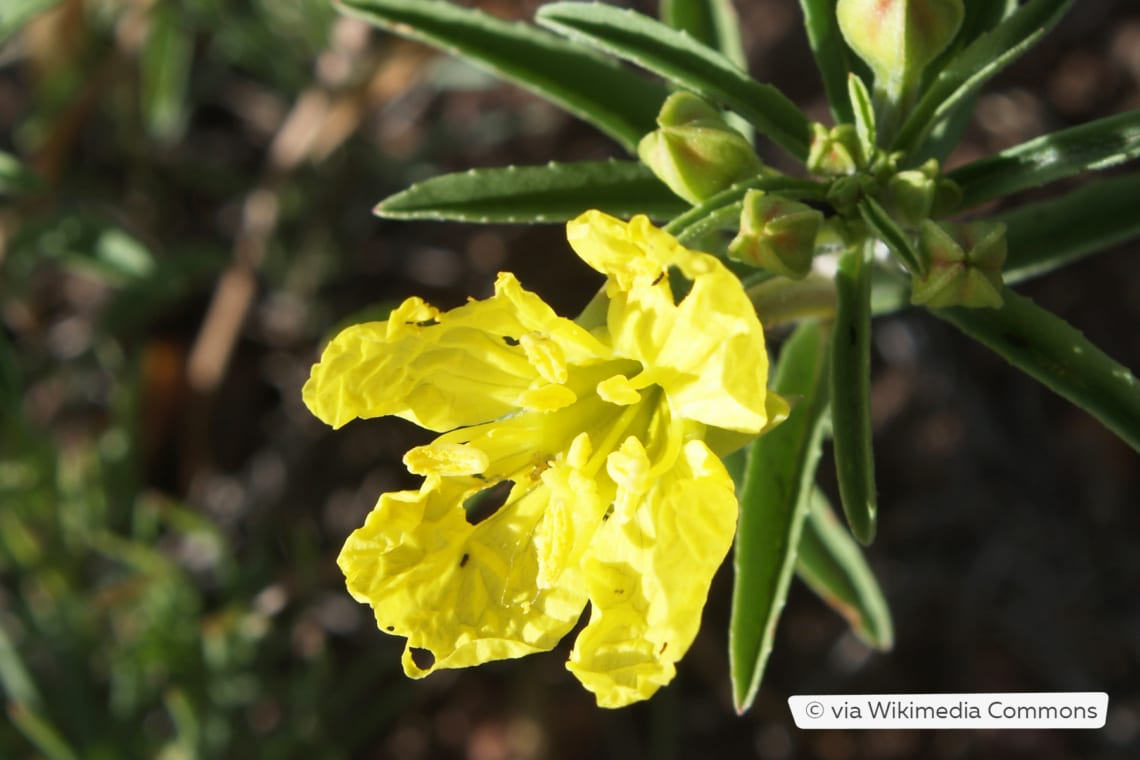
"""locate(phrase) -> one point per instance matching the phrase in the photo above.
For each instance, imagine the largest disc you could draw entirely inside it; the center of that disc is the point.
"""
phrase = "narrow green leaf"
(165, 71)
(14, 676)
(946, 135)
(1096, 145)
(593, 88)
(1047, 348)
(1046, 235)
(977, 64)
(832, 565)
(890, 233)
(831, 55)
(710, 22)
(40, 733)
(714, 23)
(981, 16)
(685, 62)
(551, 193)
(773, 502)
(851, 391)
(863, 112)
(713, 212)
(15, 13)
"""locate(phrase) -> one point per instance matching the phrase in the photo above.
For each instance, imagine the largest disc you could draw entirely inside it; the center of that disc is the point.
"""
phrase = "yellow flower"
(605, 438)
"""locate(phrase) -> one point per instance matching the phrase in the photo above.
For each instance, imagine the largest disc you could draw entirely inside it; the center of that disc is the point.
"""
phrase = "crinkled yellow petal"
(707, 352)
(716, 356)
(648, 579)
(462, 594)
(444, 370)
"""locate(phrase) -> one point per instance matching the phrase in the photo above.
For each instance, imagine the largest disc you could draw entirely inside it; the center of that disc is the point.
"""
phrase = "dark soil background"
(1009, 540)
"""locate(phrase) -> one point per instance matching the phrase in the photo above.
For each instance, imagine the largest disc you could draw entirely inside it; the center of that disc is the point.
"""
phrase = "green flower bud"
(835, 152)
(912, 196)
(695, 152)
(911, 193)
(922, 193)
(845, 192)
(897, 38)
(963, 265)
(883, 165)
(776, 234)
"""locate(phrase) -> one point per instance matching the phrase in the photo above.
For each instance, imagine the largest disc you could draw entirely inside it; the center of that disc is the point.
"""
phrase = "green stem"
(695, 217)
(780, 300)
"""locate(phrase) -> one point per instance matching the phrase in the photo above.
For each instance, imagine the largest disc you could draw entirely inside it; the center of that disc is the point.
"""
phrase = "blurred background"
(185, 197)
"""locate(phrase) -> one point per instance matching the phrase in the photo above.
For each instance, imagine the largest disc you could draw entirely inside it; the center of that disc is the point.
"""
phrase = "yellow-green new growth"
(608, 439)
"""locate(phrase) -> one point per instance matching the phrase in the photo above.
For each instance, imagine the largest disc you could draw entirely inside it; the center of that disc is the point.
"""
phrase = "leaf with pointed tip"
(593, 88)
(1096, 145)
(831, 55)
(833, 566)
(1046, 235)
(685, 62)
(553, 192)
(851, 391)
(774, 499)
(976, 64)
(862, 112)
(1049, 349)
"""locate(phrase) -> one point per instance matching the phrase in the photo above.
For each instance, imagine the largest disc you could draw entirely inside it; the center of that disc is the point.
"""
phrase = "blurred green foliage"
(133, 624)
